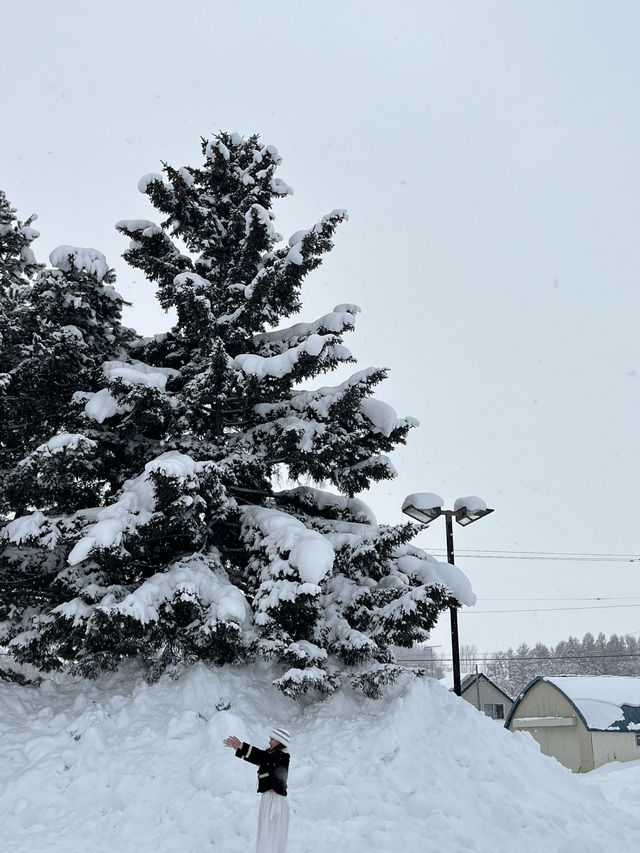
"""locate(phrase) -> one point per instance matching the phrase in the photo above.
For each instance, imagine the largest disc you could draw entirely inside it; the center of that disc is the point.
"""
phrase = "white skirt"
(273, 823)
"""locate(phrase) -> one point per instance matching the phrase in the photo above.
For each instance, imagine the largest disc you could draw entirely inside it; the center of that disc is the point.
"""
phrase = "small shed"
(486, 696)
(582, 721)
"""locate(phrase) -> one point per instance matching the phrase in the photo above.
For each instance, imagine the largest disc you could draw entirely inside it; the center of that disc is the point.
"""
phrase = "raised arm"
(254, 755)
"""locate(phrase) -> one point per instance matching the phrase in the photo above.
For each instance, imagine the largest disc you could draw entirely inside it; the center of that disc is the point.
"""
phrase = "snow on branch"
(329, 505)
(296, 551)
(25, 528)
(418, 565)
(321, 399)
(280, 365)
(138, 373)
(380, 463)
(136, 504)
(196, 578)
(383, 417)
(295, 682)
(64, 441)
(68, 258)
(148, 179)
(341, 319)
(102, 405)
(139, 227)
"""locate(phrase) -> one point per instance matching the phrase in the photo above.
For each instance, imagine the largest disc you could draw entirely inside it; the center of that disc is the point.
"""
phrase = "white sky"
(487, 153)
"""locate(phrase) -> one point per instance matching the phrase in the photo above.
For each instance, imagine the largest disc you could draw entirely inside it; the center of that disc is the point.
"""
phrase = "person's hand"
(232, 742)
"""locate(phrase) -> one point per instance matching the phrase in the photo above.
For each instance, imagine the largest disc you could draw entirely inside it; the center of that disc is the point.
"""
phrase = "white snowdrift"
(120, 765)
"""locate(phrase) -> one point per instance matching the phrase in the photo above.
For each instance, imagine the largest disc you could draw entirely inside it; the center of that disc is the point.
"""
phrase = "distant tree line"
(513, 669)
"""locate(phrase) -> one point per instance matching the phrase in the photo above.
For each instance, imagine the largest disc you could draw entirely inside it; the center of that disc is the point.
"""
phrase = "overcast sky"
(487, 153)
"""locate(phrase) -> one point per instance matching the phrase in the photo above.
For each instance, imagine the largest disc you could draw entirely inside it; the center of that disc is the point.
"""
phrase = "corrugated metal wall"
(615, 746)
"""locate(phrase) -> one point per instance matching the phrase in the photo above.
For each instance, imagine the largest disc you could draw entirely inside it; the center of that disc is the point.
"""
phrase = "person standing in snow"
(273, 769)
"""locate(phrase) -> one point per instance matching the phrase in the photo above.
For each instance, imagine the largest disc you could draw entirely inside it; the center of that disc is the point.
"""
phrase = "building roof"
(469, 680)
(604, 703)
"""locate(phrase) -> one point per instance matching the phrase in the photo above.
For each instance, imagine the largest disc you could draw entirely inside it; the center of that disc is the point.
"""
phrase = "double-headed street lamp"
(426, 507)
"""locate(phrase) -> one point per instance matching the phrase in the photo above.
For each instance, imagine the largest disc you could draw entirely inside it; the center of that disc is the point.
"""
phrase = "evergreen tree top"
(150, 524)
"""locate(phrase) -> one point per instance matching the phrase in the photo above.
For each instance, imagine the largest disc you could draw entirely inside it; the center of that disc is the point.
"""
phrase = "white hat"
(281, 735)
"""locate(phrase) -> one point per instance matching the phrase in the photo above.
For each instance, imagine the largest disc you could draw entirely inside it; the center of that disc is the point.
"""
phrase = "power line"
(607, 554)
(473, 612)
(541, 556)
(603, 656)
(572, 598)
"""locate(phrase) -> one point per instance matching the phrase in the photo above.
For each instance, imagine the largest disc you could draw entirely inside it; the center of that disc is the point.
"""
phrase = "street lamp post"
(425, 507)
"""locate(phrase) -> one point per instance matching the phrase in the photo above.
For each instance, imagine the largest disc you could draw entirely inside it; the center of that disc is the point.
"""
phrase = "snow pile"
(618, 782)
(121, 765)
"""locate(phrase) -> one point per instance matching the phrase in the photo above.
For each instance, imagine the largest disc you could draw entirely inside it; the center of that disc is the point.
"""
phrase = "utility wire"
(572, 598)
(607, 554)
(511, 659)
(586, 558)
(473, 612)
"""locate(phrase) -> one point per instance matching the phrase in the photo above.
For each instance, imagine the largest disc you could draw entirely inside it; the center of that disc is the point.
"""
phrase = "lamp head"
(423, 506)
(470, 509)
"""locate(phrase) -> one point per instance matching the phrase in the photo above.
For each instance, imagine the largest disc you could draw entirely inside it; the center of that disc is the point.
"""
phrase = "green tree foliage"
(147, 520)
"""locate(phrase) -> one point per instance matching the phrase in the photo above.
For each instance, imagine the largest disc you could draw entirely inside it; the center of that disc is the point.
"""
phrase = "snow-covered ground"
(119, 765)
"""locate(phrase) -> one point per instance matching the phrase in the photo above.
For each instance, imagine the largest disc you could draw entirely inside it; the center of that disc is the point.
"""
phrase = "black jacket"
(273, 767)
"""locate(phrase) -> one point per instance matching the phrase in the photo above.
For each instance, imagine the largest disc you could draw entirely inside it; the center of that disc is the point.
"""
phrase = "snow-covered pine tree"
(193, 553)
(65, 323)
(17, 269)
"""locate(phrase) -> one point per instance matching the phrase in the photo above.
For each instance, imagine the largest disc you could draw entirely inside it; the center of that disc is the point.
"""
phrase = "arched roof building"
(582, 721)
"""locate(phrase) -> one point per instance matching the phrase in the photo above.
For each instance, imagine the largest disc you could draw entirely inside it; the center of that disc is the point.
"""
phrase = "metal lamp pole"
(425, 508)
(453, 610)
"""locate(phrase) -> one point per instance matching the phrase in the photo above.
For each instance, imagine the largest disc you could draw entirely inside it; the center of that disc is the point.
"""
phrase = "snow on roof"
(606, 702)
(470, 679)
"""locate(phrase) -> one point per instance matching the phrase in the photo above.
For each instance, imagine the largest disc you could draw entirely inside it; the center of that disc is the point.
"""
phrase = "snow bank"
(618, 782)
(120, 765)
